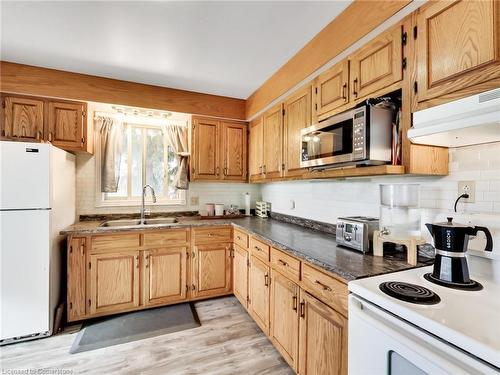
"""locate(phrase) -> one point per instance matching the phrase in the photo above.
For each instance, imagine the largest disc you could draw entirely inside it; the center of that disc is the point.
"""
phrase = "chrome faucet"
(143, 199)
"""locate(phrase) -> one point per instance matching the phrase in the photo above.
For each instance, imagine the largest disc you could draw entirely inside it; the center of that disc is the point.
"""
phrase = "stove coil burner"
(472, 286)
(410, 293)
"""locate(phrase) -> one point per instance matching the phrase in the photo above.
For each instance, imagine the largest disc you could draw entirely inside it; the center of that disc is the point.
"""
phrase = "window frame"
(101, 201)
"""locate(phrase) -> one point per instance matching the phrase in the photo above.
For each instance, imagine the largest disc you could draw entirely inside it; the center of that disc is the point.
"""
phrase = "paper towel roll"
(247, 204)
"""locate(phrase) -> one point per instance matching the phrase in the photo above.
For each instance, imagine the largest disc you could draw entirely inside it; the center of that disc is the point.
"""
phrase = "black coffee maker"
(450, 266)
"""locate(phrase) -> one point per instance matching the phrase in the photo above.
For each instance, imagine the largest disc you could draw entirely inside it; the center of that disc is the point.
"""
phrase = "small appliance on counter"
(356, 232)
(262, 209)
(451, 242)
(399, 219)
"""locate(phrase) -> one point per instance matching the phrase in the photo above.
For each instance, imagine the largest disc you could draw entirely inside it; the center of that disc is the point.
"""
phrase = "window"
(143, 158)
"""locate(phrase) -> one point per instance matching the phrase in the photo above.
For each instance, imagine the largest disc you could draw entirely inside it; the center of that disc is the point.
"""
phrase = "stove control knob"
(347, 237)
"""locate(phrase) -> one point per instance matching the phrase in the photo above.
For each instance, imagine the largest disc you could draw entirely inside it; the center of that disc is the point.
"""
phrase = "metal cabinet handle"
(302, 309)
(355, 87)
(217, 171)
(283, 262)
(137, 261)
(325, 287)
(266, 279)
(238, 237)
(260, 169)
(344, 91)
(225, 171)
(264, 169)
(147, 260)
(294, 303)
(50, 136)
(257, 248)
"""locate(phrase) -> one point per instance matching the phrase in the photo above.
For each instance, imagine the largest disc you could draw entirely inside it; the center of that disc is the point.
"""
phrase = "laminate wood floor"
(228, 342)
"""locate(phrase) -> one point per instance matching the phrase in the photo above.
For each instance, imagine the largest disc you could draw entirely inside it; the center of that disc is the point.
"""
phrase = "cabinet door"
(323, 338)
(331, 88)
(205, 160)
(76, 278)
(165, 275)
(297, 116)
(273, 141)
(212, 270)
(22, 118)
(458, 45)
(65, 124)
(114, 281)
(240, 272)
(234, 151)
(258, 293)
(284, 329)
(378, 64)
(256, 149)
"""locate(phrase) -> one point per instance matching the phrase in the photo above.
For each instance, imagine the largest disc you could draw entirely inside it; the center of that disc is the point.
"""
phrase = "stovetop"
(469, 319)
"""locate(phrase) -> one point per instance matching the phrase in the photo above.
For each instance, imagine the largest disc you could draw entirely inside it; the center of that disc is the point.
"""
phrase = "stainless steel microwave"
(358, 136)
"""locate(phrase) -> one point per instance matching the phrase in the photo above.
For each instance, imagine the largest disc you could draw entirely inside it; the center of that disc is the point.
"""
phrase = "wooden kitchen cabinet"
(114, 281)
(234, 151)
(211, 270)
(273, 142)
(256, 149)
(67, 124)
(297, 116)
(240, 275)
(76, 264)
(259, 293)
(165, 275)
(205, 158)
(331, 89)
(458, 45)
(378, 64)
(219, 150)
(22, 118)
(284, 330)
(322, 338)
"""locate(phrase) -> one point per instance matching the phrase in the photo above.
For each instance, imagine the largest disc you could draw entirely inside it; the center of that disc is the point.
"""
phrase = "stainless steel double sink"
(137, 222)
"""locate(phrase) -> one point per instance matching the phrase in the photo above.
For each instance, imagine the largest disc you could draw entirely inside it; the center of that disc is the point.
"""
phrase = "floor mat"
(134, 326)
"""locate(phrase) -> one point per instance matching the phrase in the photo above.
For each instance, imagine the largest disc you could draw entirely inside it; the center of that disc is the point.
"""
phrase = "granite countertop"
(316, 247)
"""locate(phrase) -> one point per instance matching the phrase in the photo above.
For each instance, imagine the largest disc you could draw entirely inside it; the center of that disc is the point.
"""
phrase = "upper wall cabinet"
(331, 89)
(378, 64)
(297, 116)
(273, 142)
(66, 124)
(219, 150)
(458, 45)
(256, 149)
(63, 123)
(22, 118)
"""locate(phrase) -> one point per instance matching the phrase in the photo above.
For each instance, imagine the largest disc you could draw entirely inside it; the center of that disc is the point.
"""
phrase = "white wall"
(226, 193)
(327, 200)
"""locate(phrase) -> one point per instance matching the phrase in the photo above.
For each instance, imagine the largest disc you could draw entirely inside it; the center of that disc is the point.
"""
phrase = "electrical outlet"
(292, 204)
(194, 201)
(467, 187)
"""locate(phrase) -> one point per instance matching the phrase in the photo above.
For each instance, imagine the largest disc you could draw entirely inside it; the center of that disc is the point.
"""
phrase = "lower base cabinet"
(114, 281)
(259, 293)
(284, 330)
(211, 270)
(165, 275)
(322, 338)
(240, 275)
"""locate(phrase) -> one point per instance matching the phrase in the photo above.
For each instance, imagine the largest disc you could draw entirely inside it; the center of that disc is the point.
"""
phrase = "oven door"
(328, 142)
(380, 343)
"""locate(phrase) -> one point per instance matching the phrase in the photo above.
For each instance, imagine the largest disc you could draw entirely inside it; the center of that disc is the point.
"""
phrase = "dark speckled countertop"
(316, 247)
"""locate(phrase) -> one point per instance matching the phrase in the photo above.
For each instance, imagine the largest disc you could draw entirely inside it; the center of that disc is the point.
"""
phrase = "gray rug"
(134, 326)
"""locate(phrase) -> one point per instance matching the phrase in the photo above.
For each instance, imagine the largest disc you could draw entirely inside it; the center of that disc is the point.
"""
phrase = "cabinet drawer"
(166, 238)
(286, 264)
(214, 234)
(259, 249)
(326, 288)
(241, 238)
(115, 242)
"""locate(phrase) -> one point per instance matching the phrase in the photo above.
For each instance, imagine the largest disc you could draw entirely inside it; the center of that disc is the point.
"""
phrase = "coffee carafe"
(451, 241)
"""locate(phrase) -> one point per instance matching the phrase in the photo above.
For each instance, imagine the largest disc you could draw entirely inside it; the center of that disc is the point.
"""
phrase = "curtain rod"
(141, 120)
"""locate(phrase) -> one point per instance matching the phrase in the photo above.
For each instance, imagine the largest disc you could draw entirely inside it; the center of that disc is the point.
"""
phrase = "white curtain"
(111, 135)
(177, 137)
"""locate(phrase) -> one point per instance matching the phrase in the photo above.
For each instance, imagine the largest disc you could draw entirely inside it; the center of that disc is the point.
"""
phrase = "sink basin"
(161, 220)
(121, 223)
(135, 222)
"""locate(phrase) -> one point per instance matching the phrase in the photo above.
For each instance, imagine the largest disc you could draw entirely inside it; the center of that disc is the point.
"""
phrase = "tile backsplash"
(327, 200)
(225, 193)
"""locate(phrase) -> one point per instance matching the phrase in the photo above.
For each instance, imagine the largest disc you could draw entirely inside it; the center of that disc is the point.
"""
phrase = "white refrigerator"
(37, 200)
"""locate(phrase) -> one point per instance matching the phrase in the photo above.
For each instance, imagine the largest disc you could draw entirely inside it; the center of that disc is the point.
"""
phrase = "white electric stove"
(458, 334)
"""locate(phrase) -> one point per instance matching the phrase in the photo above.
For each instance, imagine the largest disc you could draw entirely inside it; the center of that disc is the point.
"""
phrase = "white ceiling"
(224, 48)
